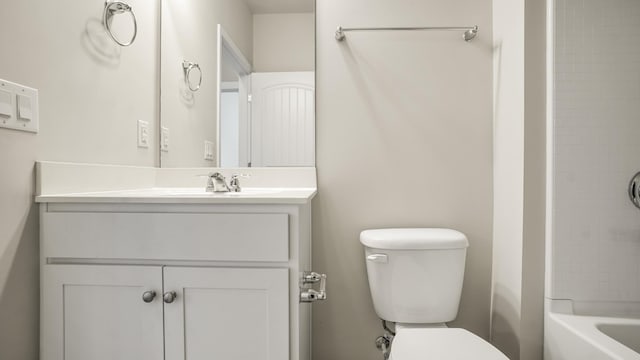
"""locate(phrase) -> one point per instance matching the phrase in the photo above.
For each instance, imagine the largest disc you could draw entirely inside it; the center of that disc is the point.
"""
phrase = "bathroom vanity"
(175, 272)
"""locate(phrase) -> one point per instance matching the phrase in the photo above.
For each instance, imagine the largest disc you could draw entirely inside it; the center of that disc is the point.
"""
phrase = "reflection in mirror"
(255, 106)
(192, 75)
(234, 72)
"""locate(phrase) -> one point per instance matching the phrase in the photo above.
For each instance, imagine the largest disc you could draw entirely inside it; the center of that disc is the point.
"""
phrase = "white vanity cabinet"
(151, 281)
(96, 312)
(227, 313)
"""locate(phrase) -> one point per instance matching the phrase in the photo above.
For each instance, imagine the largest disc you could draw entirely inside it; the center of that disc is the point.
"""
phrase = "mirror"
(237, 83)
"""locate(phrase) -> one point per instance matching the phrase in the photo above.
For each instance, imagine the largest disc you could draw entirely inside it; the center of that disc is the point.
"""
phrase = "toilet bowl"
(415, 277)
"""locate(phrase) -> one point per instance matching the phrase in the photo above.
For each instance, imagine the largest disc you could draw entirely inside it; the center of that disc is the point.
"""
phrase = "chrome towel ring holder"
(112, 8)
(187, 67)
(634, 190)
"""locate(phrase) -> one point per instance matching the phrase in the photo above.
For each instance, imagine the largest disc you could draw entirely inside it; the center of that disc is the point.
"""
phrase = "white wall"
(189, 32)
(535, 142)
(595, 250)
(283, 42)
(508, 174)
(92, 92)
(519, 177)
(19, 267)
(404, 138)
(91, 96)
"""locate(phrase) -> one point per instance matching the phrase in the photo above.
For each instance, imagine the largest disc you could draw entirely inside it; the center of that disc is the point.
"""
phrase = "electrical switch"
(5, 104)
(25, 111)
(18, 107)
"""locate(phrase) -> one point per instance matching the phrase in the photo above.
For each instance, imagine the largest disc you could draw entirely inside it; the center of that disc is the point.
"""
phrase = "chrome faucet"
(217, 183)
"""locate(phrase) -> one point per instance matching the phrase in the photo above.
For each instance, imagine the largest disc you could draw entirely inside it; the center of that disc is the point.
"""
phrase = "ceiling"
(280, 6)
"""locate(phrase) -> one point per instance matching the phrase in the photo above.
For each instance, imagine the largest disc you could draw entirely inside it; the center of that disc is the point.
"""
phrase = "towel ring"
(112, 8)
(187, 66)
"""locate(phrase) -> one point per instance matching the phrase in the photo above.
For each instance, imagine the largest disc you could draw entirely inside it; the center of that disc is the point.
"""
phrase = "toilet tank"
(415, 275)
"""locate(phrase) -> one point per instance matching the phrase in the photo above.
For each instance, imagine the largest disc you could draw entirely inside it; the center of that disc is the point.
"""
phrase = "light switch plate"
(143, 134)
(164, 139)
(18, 107)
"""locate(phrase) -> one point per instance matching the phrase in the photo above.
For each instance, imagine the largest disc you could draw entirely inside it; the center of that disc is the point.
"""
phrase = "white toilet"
(415, 276)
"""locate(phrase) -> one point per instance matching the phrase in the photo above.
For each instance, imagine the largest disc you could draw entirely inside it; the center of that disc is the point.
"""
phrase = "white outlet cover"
(143, 134)
(208, 150)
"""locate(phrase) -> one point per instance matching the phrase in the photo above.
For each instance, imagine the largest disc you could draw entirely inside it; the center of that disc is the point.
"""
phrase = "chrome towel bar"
(469, 34)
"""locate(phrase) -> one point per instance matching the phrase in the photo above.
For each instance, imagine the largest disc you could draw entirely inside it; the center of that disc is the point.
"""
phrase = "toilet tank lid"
(414, 239)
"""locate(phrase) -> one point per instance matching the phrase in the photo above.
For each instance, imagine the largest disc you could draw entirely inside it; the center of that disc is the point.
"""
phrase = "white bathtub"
(569, 336)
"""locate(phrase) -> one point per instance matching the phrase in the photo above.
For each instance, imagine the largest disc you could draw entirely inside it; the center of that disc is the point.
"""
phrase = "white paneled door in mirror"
(283, 122)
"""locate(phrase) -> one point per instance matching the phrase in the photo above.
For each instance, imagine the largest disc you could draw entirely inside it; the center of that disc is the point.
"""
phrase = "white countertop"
(186, 195)
(95, 183)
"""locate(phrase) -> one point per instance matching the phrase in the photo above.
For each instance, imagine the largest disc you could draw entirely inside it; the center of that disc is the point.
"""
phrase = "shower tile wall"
(596, 229)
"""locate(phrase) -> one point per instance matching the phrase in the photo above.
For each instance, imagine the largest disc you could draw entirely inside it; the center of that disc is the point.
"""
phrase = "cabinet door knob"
(148, 296)
(169, 297)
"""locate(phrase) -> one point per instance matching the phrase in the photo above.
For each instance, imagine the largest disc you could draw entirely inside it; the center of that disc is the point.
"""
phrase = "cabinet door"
(98, 313)
(227, 313)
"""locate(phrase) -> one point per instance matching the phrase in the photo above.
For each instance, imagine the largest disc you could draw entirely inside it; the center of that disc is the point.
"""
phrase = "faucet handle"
(234, 183)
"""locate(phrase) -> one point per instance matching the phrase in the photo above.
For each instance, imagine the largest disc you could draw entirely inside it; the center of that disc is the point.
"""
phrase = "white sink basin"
(251, 192)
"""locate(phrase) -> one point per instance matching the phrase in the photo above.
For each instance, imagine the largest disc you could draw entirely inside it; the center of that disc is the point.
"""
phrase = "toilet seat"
(441, 344)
